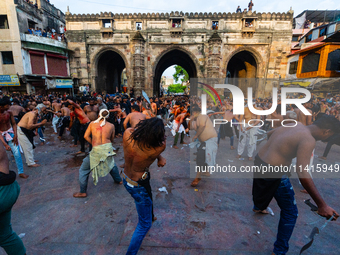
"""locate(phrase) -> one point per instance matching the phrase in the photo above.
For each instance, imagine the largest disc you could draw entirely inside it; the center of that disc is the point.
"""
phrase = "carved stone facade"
(146, 44)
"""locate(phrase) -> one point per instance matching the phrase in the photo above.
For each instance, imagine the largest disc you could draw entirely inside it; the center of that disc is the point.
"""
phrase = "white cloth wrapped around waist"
(175, 126)
(6, 134)
(250, 133)
(101, 161)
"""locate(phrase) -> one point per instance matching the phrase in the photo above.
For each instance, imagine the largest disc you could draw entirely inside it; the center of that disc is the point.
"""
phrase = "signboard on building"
(64, 83)
(9, 80)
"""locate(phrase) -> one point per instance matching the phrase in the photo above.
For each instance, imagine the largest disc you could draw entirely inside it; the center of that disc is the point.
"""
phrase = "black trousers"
(82, 140)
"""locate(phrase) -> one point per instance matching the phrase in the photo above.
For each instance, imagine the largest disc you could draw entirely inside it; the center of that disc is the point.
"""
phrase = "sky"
(143, 6)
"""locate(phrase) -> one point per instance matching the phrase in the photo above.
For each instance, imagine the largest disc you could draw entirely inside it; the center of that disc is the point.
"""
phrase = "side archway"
(108, 66)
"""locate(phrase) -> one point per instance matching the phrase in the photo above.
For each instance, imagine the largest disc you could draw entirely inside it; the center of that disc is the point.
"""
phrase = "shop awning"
(59, 83)
(313, 83)
(9, 80)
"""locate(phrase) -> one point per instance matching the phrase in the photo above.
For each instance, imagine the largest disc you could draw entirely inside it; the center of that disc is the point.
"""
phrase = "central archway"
(172, 57)
(109, 68)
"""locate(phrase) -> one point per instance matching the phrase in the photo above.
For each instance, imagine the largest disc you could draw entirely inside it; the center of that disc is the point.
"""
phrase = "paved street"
(214, 218)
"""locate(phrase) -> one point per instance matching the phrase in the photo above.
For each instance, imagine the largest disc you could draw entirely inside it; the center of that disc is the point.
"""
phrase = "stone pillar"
(214, 56)
(137, 63)
(214, 60)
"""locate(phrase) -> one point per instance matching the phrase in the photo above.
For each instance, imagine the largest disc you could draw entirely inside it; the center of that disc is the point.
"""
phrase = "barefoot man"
(25, 130)
(65, 119)
(248, 132)
(100, 161)
(9, 137)
(56, 108)
(226, 129)
(142, 146)
(285, 143)
(178, 128)
(205, 133)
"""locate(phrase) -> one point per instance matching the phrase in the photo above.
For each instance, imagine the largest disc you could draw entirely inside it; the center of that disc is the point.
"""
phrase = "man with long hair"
(142, 146)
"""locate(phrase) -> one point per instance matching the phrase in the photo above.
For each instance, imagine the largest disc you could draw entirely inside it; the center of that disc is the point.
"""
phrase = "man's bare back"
(137, 160)
(283, 144)
(134, 118)
(16, 109)
(97, 135)
(65, 112)
(56, 106)
(304, 119)
(29, 120)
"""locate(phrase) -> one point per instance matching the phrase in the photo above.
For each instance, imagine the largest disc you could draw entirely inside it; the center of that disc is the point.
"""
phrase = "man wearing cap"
(100, 134)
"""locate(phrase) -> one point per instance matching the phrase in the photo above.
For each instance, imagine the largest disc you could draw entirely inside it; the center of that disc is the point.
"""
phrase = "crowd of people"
(49, 33)
(95, 121)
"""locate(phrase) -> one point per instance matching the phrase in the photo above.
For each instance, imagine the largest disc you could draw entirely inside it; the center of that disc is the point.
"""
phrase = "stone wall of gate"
(142, 38)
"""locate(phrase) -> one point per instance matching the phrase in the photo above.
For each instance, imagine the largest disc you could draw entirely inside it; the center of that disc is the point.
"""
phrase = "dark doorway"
(242, 65)
(110, 67)
(174, 57)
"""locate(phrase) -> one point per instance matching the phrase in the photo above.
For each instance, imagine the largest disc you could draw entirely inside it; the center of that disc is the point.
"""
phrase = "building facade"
(245, 45)
(38, 60)
(315, 61)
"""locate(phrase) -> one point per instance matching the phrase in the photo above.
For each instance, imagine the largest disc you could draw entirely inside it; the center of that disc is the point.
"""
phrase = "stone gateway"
(108, 50)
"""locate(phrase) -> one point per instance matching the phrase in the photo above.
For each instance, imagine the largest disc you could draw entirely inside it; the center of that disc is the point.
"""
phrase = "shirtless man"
(142, 146)
(148, 113)
(226, 129)
(8, 136)
(134, 117)
(301, 117)
(277, 117)
(92, 110)
(305, 120)
(247, 133)
(16, 109)
(178, 128)
(56, 107)
(65, 115)
(100, 135)
(26, 134)
(9, 193)
(84, 122)
(47, 103)
(284, 144)
(153, 106)
(205, 132)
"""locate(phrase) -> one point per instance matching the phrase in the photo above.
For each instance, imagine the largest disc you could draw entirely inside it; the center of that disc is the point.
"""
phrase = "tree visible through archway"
(174, 57)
